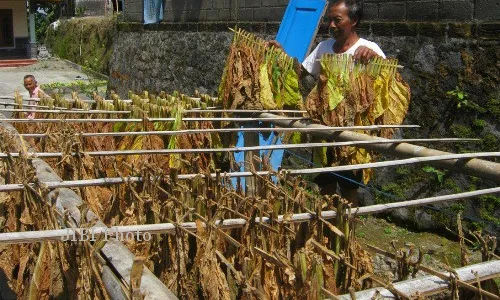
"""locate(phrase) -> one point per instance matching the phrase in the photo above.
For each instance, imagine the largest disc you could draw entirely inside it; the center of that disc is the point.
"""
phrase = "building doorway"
(6, 28)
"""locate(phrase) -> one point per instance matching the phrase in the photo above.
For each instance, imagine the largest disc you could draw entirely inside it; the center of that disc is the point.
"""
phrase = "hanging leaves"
(353, 94)
(257, 76)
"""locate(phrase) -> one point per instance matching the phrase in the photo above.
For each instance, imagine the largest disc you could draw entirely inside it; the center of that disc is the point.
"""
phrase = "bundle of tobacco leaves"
(258, 77)
(351, 94)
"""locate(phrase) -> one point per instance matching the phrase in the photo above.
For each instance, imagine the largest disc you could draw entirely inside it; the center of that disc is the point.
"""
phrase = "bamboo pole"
(170, 228)
(26, 120)
(118, 180)
(226, 130)
(93, 101)
(436, 273)
(271, 147)
(66, 111)
(475, 167)
(430, 285)
(188, 111)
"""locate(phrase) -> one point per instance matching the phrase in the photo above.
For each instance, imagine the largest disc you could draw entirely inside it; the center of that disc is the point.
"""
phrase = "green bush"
(87, 41)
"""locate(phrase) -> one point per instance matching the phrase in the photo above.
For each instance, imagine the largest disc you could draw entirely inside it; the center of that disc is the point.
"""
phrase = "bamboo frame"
(170, 228)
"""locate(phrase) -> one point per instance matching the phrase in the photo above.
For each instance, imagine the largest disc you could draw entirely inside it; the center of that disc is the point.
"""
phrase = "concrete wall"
(273, 10)
(20, 16)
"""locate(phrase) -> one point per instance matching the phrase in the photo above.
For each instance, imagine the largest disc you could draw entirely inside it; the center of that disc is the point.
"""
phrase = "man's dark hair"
(355, 8)
(30, 76)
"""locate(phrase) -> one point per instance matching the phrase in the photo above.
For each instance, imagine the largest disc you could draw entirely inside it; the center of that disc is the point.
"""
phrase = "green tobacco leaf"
(291, 93)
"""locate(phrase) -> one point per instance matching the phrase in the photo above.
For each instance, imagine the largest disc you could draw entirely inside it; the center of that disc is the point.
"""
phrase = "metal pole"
(474, 167)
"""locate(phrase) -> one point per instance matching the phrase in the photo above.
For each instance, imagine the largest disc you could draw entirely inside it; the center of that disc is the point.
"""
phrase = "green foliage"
(87, 41)
(488, 206)
(80, 11)
(479, 124)
(459, 96)
(438, 173)
(462, 131)
(51, 13)
(387, 230)
(493, 107)
(457, 207)
(490, 142)
(463, 101)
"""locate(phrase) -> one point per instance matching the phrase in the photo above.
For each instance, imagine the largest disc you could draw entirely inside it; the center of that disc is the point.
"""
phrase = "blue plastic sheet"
(265, 139)
(299, 26)
(153, 11)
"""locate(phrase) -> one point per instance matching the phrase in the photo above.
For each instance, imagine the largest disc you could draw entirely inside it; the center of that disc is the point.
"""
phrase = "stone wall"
(273, 10)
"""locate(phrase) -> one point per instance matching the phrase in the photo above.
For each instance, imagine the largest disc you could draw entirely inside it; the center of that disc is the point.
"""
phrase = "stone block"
(370, 11)
(271, 3)
(382, 28)
(253, 3)
(422, 11)
(262, 14)
(488, 31)
(221, 4)
(392, 11)
(460, 30)
(245, 14)
(456, 10)
(487, 10)
(212, 15)
(134, 17)
(276, 13)
(203, 4)
(224, 15)
(134, 7)
(194, 15)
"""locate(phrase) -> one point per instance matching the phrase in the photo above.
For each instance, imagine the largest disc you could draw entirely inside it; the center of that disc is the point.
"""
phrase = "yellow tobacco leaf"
(266, 94)
(291, 92)
(399, 98)
(381, 91)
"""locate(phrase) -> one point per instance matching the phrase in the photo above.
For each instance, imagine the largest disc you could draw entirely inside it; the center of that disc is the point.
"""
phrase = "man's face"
(339, 23)
(29, 84)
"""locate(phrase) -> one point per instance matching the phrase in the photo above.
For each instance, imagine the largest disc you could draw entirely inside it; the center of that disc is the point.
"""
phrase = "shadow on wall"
(190, 8)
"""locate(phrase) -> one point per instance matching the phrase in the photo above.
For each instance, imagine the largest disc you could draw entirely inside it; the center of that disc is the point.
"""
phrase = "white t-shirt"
(311, 63)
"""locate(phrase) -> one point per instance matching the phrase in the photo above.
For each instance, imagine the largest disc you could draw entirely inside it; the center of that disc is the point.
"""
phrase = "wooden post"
(251, 139)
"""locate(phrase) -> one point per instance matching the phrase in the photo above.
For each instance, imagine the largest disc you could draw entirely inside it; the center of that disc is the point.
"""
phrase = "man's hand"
(275, 44)
(364, 54)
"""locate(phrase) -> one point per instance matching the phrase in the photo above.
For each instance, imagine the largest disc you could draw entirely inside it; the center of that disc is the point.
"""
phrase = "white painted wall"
(19, 15)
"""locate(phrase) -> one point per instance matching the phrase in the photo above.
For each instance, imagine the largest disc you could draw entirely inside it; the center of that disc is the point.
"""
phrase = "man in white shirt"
(343, 18)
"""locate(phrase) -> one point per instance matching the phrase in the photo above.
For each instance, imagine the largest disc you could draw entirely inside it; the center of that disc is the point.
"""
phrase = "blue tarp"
(153, 11)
